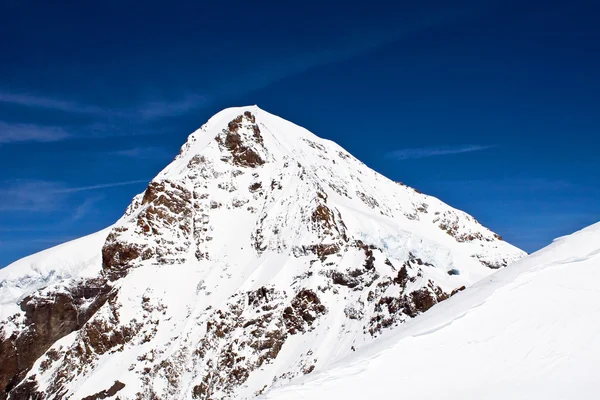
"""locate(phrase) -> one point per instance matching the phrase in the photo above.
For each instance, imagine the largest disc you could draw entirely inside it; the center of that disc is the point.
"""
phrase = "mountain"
(262, 253)
(529, 331)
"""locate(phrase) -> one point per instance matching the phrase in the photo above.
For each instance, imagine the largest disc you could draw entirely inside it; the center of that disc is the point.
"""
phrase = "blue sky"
(493, 107)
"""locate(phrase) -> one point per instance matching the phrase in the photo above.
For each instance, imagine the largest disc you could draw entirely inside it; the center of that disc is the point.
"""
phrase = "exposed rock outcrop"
(48, 315)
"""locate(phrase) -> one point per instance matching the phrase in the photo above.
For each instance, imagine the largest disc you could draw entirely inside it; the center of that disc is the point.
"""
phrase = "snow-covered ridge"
(78, 258)
(260, 254)
(527, 331)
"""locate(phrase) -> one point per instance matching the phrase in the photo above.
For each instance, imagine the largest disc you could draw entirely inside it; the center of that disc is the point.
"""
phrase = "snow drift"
(529, 331)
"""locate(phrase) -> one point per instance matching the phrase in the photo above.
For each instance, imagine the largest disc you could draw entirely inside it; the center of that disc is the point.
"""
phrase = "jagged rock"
(49, 315)
(106, 393)
(304, 309)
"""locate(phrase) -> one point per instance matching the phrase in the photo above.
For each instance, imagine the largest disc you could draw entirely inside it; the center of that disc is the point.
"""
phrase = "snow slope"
(529, 331)
(74, 259)
(262, 253)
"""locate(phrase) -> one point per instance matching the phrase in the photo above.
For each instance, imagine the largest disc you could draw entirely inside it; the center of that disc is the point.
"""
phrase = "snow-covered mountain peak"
(291, 188)
(262, 252)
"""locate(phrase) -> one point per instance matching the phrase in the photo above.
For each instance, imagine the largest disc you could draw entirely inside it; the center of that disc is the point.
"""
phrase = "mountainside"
(260, 254)
(530, 331)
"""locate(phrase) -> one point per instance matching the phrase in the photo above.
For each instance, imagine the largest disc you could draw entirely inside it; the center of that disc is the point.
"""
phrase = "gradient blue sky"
(494, 107)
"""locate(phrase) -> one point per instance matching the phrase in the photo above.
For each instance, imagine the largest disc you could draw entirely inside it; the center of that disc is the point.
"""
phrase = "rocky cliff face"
(261, 253)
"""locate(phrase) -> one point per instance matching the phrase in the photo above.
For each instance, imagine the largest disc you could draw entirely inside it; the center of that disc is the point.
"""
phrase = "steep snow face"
(528, 331)
(261, 253)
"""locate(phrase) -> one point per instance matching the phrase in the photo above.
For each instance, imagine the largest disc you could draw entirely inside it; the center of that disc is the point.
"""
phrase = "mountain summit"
(260, 254)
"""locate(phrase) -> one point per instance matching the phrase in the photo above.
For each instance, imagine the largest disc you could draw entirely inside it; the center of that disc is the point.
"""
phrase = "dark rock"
(242, 154)
(106, 393)
(423, 300)
(48, 317)
(460, 289)
(402, 277)
(340, 278)
(27, 390)
(117, 255)
(305, 308)
(255, 186)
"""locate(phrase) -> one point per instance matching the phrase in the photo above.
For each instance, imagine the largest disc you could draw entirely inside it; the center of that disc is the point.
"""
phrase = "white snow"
(529, 331)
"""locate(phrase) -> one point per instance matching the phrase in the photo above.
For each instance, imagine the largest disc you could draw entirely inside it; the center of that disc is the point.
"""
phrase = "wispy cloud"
(161, 109)
(26, 228)
(46, 196)
(37, 196)
(146, 111)
(99, 186)
(84, 208)
(35, 100)
(150, 152)
(41, 242)
(506, 184)
(423, 152)
(12, 133)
